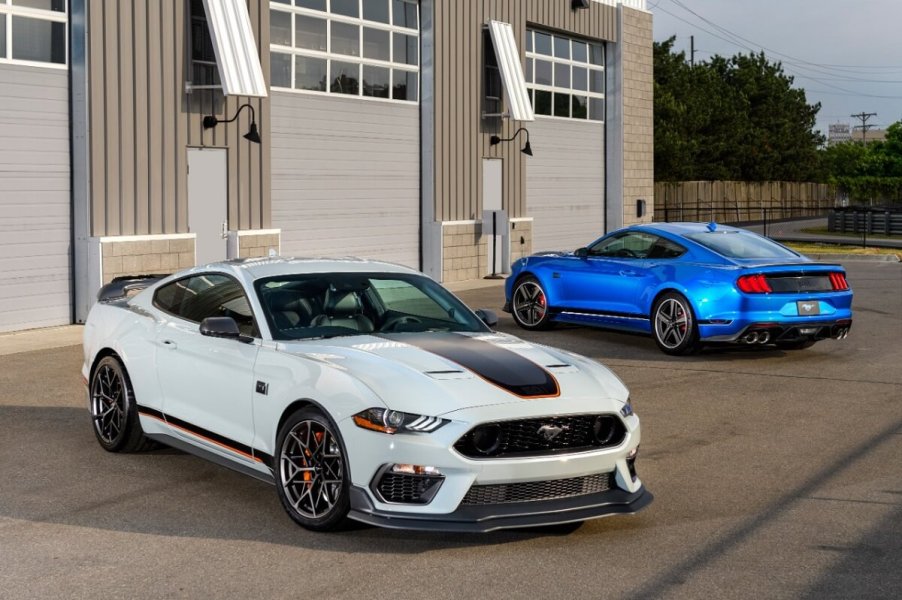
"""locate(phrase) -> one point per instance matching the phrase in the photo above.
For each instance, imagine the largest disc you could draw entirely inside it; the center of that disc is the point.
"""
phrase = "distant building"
(843, 132)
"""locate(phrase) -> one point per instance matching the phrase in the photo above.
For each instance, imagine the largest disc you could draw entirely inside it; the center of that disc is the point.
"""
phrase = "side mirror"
(581, 252)
(220, 327)
(488, 316)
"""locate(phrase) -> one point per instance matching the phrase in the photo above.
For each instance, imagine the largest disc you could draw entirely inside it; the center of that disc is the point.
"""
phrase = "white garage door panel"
(346, 177)
(565, 183)
(34, 198)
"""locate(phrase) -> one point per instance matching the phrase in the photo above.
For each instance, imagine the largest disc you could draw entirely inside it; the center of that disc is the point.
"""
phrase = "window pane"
(375, 10)
(404, 14)
(55, 5)
(528, 72)
(376, 44)
(405, 85)
(543, 103)
(579, 51)
(282, 1)
(561, 47)
(596, 54)
(561, 75)
(376, 81)
(345, 39)
(528, 41)
(543, 72)
(2, 36)
(310, 33)
(314, 4)
(347, 8)
(580, 79)
(345, 78)
(406, 49)
(39, 40)
(280, 28)
(596, 81)
(280, 70)
(580, 107)
(542, 43)
(310, 73)
(596, 109)
(561, 105)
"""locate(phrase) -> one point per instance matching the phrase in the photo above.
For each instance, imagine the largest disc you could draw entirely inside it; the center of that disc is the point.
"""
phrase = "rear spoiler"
(120, 287)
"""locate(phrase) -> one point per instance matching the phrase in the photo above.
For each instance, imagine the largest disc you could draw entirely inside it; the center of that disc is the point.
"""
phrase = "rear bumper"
(485, 518)
(789, 331)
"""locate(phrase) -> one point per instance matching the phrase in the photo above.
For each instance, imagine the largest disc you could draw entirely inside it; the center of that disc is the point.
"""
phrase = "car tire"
(673, 325)
(529, 305)
(311, 471)
(795, 345)
(114, 411)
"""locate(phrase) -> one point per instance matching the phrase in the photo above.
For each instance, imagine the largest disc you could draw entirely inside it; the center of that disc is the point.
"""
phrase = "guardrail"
(866, 220)
(748, 214)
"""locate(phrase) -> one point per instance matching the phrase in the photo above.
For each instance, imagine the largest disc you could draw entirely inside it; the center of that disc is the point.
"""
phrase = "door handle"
(628, 273)
(170, 344)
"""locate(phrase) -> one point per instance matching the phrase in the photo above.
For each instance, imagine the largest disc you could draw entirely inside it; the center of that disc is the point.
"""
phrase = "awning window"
(511, 71)
(235, 48)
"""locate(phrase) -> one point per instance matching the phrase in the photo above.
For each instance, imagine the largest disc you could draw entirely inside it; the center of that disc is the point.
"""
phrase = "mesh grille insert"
(542, 436)
(532, 491)
(403, 488)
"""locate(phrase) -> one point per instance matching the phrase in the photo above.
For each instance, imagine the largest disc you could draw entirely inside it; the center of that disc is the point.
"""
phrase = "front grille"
(530, 437)
(539, 490)
(403, 488)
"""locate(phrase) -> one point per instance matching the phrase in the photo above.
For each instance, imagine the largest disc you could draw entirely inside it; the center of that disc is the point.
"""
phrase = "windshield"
(336, 304)
(737, 244)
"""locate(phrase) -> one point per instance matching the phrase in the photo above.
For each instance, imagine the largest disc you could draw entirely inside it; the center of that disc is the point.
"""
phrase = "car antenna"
(712, 226)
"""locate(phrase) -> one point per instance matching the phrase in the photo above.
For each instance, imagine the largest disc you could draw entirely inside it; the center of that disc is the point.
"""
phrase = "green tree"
(738, 118)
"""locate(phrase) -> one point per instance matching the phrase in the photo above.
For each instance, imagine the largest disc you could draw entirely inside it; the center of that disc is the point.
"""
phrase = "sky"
(846, 55)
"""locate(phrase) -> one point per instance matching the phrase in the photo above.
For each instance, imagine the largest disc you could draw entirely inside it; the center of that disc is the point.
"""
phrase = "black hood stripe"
(500, 367)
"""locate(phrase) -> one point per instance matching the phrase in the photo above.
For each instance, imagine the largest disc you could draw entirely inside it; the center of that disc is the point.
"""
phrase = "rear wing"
(121, 287)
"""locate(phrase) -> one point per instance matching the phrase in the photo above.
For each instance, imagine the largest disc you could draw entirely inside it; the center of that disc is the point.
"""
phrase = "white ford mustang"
(360, 389)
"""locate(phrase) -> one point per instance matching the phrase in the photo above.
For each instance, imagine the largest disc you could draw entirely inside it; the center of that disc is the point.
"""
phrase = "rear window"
(736, 244)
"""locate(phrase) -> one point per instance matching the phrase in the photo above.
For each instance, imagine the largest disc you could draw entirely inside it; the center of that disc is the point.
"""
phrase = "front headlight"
(393, 421)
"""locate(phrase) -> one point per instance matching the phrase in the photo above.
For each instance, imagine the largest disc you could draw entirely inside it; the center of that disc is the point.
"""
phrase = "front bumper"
(487, 518)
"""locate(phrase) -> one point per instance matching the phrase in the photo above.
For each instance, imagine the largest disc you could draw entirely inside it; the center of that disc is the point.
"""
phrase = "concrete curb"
(862, 257)
(40, 339)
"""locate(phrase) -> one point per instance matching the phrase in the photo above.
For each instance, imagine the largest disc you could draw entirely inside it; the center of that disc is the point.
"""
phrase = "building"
(844, 132)
(838, 133)
(388, 129)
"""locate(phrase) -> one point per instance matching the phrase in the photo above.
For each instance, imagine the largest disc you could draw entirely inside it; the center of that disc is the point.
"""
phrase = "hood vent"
(449, 374)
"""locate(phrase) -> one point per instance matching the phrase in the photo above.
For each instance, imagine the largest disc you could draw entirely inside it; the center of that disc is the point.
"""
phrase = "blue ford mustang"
(686, 284)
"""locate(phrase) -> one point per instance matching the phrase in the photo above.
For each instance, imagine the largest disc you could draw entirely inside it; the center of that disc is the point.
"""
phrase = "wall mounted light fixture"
(252, 135)
(527, 149)
(579, 4)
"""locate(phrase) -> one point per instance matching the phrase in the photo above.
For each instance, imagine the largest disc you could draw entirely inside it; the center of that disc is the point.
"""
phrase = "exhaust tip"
(764, 337)
(751, 338)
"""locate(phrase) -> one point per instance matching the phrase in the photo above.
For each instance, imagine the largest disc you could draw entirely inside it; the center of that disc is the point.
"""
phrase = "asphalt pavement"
(776, 475)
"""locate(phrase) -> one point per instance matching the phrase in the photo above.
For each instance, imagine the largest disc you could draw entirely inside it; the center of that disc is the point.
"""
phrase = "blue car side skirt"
(626, 322)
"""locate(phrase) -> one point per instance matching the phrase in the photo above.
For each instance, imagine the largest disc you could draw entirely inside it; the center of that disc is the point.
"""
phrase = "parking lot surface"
(775, 474)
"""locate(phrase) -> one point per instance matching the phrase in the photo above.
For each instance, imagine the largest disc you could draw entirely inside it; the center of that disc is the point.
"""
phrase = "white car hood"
(413, 372)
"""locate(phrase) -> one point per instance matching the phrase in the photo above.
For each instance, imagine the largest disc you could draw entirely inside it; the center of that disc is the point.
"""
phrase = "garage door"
(565, 183)
(34, 198)
(346, 177)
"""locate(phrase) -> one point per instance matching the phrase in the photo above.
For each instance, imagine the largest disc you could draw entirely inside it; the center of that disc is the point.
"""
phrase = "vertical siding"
(34, 198)
(141, 121)
(462, 136)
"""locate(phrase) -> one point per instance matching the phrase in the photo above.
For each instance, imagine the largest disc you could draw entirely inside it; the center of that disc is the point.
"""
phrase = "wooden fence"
(741, 201)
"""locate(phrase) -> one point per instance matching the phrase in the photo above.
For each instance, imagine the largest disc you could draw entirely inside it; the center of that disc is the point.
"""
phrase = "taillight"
(753, 284)
(838, 280)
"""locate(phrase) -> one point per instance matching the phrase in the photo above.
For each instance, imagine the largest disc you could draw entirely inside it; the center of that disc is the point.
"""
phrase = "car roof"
(683, 228)
(273, 266)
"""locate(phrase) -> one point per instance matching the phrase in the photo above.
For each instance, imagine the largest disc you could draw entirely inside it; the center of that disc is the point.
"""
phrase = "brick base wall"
(638, 115)
(521, 238)
(140, 255)
(256, 244)
(465, 250)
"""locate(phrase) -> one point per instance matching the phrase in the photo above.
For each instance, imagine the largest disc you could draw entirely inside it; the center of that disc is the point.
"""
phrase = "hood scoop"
(449, 375)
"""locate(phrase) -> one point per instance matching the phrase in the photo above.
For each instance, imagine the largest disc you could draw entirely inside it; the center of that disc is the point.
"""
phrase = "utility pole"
(692, 50)
(863, 117)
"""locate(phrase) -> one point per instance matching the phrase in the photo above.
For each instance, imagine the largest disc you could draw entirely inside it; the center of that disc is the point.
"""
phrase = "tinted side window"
(632, 244)
(196, 298)
(664, 248)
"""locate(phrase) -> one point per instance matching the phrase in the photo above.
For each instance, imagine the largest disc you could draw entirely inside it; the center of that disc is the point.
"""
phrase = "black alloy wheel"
(311, 471)
(114, 412)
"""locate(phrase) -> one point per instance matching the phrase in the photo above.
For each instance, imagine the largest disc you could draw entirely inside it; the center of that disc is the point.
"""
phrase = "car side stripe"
(498, 366)
(209, 436)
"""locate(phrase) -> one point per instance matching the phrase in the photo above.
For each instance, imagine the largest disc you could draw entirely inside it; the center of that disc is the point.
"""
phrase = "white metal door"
(208, 199)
